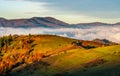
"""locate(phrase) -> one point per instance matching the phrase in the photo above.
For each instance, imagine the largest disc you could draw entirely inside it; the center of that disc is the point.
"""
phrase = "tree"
(9, 39)
(6, 41)
(1, 42)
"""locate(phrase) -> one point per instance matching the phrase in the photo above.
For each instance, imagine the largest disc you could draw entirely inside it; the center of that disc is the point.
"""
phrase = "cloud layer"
(103, 32)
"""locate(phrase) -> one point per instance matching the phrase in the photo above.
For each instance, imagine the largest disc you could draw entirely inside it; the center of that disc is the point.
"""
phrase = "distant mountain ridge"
(48, 22)
(94, 23)
(104, 41)
(33, 22)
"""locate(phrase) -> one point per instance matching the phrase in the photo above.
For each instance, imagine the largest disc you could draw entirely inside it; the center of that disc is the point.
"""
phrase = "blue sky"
(71, 11)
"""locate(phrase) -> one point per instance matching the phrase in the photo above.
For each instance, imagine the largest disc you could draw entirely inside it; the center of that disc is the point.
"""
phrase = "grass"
(72, 63)
(51, 55)
(115, 50)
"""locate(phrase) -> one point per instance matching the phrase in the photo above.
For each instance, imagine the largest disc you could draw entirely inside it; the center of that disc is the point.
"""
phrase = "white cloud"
(22, 8)
(110, 33)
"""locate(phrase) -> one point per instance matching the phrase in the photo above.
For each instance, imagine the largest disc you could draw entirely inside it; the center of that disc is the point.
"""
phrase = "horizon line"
(59, 20)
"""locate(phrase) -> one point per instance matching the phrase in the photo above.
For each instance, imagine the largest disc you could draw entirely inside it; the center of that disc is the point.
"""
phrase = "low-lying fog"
(101, 32)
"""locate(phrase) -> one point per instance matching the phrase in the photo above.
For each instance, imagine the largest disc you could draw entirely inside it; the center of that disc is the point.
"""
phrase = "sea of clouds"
(102, 32)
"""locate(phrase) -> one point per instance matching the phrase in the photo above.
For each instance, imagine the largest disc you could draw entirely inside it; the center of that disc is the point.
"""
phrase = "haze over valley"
(49, 25)
(59, 37)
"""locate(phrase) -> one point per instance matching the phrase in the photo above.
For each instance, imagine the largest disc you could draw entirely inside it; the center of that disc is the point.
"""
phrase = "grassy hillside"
(77, 62)
(50, 55)
(114, 50)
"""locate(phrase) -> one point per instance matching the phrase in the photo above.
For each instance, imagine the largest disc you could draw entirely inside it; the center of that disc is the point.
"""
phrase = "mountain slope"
(48, 22)
(2, 19)
(93, 24)
(50, 55)
(104, 41)
(75, 62)
(33, 22)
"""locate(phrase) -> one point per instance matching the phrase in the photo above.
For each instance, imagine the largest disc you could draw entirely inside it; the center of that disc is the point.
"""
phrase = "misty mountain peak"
(2, 19)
